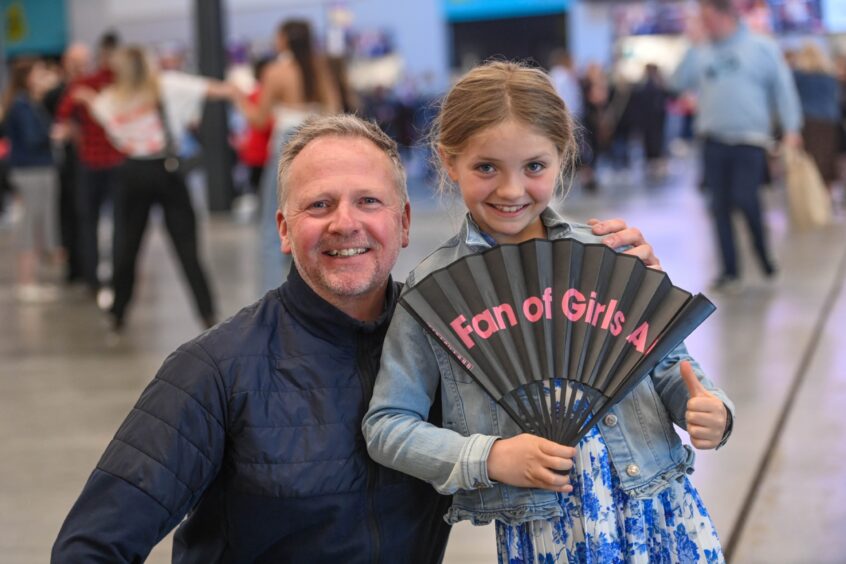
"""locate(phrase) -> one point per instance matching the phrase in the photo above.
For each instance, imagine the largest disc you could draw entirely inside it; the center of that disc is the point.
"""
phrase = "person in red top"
(253, 145)
(98, 159)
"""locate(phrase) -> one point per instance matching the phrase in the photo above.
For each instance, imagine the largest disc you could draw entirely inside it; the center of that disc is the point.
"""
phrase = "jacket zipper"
(367, 376)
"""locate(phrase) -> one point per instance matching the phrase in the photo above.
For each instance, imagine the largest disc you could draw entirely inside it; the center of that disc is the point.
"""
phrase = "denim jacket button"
(610, 420)
(632, 470)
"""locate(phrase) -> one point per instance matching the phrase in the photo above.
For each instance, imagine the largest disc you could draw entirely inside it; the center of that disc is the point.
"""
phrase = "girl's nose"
(511, 187)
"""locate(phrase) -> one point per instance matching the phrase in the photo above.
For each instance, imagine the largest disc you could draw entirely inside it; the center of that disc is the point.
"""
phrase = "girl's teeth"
(509, 209)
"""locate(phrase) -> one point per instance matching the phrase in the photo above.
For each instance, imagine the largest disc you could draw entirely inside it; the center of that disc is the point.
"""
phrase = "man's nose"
(344, 219)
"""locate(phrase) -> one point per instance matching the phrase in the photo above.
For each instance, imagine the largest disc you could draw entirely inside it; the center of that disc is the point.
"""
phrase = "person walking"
(750, 70)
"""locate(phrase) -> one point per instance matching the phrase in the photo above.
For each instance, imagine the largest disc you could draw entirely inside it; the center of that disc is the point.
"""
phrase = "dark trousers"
(733, 176)
(96, 188)
(69, 219)
(144, 183)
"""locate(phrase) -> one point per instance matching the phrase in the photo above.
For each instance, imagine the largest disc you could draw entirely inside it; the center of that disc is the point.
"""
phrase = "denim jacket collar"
(325, 320)
(476, 239)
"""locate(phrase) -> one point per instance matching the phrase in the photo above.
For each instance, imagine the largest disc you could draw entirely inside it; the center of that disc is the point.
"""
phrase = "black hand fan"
(556, 331)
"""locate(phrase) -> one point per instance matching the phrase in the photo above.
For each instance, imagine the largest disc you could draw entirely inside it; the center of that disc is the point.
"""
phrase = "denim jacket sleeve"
(395, 426)
(666, 378)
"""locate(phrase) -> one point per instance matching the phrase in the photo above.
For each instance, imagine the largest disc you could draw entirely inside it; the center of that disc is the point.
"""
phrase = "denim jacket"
(644, 448)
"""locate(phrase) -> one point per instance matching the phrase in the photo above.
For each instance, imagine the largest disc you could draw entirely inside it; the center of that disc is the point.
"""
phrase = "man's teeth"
(346, 252)
(508, 209)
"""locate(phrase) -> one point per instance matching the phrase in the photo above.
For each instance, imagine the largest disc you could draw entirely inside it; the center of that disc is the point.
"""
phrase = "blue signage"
(467, 10)
(34, 27)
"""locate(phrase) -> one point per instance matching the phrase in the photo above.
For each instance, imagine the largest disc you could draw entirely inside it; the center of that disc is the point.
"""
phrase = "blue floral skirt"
(602, 524)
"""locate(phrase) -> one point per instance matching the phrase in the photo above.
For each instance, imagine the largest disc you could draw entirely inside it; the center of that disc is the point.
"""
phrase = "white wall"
(591, 33)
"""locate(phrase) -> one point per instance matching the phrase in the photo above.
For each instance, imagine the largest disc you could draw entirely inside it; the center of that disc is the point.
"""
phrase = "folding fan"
(556, 331)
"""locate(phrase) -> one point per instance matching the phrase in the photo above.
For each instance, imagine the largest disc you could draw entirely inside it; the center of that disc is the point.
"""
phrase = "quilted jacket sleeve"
(163, 457)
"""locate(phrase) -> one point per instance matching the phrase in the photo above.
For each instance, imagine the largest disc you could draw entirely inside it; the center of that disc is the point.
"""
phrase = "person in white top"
(145, 113)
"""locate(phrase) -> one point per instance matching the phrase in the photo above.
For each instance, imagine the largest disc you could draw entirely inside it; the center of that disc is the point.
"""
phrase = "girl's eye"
(485, 168)
(536, 167)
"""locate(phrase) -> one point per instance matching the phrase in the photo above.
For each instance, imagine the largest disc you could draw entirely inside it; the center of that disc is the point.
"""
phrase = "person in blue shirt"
(742, 81)
(34, 175)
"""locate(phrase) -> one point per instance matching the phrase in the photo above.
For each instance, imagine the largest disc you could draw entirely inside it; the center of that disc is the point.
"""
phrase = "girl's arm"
(395, 426)
(398, 435)
(678, 396)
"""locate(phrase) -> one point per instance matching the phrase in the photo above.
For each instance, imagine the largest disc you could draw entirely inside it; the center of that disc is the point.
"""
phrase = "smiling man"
(253, 429)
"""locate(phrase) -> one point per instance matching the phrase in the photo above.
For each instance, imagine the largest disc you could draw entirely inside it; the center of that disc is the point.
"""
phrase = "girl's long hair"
(298, 35)
(136, 77)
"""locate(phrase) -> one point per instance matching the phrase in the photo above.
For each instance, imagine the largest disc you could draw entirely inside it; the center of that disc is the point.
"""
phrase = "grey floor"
(777, 349)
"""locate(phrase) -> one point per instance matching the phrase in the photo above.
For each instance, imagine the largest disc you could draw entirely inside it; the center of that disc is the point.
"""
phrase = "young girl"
(506, 139)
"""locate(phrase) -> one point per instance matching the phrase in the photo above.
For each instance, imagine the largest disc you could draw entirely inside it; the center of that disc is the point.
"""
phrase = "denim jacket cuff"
(729, 428)
(475, 461)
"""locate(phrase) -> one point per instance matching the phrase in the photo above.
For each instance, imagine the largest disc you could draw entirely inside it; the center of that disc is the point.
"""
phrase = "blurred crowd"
(92, 142)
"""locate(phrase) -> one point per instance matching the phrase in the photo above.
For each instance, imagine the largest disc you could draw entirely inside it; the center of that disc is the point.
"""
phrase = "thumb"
(694, 386)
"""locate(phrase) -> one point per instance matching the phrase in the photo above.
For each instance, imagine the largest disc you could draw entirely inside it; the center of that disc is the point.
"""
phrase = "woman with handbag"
(145, 113)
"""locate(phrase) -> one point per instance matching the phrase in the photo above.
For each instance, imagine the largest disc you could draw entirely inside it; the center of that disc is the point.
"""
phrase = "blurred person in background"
(741, 80)
(75, 62)
(34, 175)
(253, 143)
(98, 161)
(650, 112)
(819, 94)
(145, 113)
(296, 85)
(566, 83)
(595, 100)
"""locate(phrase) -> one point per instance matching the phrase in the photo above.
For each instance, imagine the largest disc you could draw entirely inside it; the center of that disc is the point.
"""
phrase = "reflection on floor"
(64, 387)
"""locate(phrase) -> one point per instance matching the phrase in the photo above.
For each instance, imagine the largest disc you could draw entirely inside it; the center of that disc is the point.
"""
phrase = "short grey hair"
(345, 125)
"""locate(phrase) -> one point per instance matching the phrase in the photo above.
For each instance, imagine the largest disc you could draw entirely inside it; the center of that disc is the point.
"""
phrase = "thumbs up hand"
(706, 414)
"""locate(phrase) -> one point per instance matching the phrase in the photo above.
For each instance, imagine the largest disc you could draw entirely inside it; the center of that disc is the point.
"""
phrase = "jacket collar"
(325, 320)
(475, 238)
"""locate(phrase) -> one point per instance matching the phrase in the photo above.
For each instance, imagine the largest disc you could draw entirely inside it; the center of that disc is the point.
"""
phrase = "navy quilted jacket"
(253, 430)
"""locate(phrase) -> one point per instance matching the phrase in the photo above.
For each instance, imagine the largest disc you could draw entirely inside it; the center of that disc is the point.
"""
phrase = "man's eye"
(319, 205)
(369, 201)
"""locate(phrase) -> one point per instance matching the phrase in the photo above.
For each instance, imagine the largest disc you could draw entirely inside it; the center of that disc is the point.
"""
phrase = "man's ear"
(448, 163)
(406, 224)
(282, 229)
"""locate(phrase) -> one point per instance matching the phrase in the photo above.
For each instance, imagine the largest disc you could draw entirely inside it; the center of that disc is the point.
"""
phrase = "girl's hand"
(529, 461)
(706, 414)
(620, 235)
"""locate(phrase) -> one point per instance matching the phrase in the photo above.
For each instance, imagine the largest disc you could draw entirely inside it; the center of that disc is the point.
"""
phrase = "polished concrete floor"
(777, 491)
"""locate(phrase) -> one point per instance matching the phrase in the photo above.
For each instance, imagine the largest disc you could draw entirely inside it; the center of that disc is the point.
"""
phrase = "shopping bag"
(807, 195)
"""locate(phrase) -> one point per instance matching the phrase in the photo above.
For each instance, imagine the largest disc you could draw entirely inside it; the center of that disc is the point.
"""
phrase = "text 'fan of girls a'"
(556, 331)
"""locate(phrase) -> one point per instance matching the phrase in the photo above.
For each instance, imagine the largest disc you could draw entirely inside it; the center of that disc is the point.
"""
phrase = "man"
(253, 428)
(75, 61)
(98, 160)
(742, 80)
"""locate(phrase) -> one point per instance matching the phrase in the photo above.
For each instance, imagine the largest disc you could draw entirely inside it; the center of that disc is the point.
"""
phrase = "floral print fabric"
(602, 524)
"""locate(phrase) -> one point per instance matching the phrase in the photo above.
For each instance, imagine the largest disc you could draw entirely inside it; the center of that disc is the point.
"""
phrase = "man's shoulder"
(246, 333)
